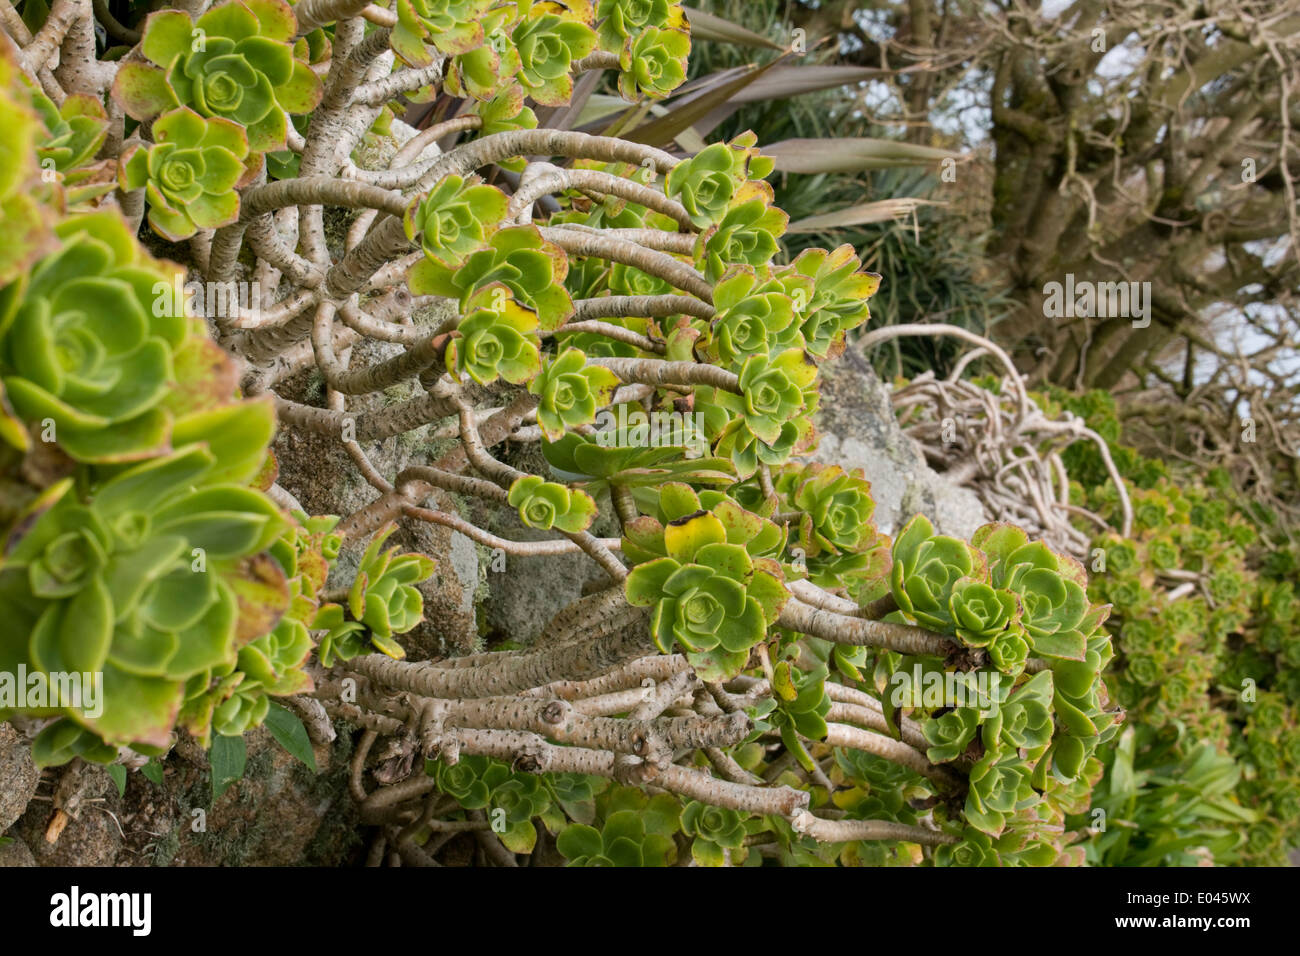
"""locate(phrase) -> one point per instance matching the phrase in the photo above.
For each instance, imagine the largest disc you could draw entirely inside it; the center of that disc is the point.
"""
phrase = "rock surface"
(858, 429)
(15, 853)
(18, 776)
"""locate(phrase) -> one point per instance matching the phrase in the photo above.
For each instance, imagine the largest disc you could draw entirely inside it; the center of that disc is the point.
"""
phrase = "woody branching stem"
(466, 295)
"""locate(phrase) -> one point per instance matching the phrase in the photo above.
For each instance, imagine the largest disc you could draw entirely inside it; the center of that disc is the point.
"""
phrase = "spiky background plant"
(525, 281)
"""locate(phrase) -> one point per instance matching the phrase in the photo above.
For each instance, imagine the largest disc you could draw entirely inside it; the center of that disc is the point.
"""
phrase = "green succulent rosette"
(950, 734)
(797, 710)
(569, 392)
(455, 219)
(26, 216)
(235, 62)
(980, 613)
(629, 280)
(82, 344)
(974, 849)
(532, 269)
(384, 596)
(1057, 616)
(1023, 723)
(504, 112)
(481, 783)
(653, 62)
(635, 830)
(708, 594)
(706, 183)
(771, 419)
(837, 510)
(746, 234)
(927, 569)
(773, 392)
(450, 26)
(75, 131)
(141, 581)
(999, 786)
(644, 538)
(621, 19)
(189, 177)
(546, 504)
(839, 298)
(484, 71)
(232, 700)
(549, 39)
(752, 318)
(715, 830)
(495, 340)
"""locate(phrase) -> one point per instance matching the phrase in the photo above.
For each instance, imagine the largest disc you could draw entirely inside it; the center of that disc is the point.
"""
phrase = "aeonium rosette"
(529, 267)
(752, 318)
(547, 504)
(708, 594)
(455, 219)
(927, 569)
(84, 345)
(570, 391)
(189, 177)
(495, 339)
(234, 62)
(140, 581)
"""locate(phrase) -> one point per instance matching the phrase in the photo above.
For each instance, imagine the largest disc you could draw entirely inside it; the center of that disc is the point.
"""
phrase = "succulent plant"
(495, 340)
(998, 788)
(707, 182)
(234, 62)
(950, 734)
(455, 219)
(715, 830)
(980, 613)
(464, 780)
(734, 440)
(746, 234)
(752, 318)
(621, 19)
(927, 570)
(627, 280)
(545, 504)
(25, 216)
(1057, 616)
(974, 849)
(653, 62)
(190, 175)
(75, 131)
(635, 830)
(485, 70)
(530, 268)
(83, 346)
(343, 638)
(773, 391)
(800, 708)
(383, 596)
(549, 39)
(645, 538)
(450, 26)
(1009, 651)
(623, 454)
(1024, 721)
(836, 508)
(839, 298)
(708, 595)
(570, 392)
(138, 581)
